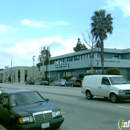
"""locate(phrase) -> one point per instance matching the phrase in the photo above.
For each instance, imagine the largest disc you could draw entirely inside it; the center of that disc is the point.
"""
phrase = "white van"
(114, 87)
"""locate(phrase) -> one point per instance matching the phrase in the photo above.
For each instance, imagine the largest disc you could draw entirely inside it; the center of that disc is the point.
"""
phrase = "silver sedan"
(60, 82)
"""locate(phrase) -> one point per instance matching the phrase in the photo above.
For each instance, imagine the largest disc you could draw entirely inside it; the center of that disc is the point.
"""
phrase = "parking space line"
(123, 107)
(67, 98)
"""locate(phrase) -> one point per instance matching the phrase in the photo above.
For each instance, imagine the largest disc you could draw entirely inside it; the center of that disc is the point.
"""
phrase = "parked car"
(30, 81)
(60, 82)
(74, 83)
(27, 109)
(44, 83)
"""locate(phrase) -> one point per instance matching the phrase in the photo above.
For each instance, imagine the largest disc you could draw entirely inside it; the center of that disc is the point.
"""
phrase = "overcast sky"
(28, 25)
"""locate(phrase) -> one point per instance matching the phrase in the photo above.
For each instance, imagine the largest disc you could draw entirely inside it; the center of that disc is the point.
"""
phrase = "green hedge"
(113, 71)
(90, 73)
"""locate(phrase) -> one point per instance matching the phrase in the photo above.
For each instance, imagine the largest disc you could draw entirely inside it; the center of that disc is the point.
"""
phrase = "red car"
(74, 83)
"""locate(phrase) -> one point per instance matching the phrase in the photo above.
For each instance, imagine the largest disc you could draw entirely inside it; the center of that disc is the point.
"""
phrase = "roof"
(106, 50)
(105, 75)
(17, 91)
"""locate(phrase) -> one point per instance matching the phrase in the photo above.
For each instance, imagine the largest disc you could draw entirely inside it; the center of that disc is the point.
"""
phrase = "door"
(4, 109)
(104, 88)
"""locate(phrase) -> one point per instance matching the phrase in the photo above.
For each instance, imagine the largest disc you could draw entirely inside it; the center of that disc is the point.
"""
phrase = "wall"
(22, 69)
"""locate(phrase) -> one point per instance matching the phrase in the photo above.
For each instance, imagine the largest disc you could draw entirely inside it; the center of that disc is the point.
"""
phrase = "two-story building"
(77, 63)
(73, 64)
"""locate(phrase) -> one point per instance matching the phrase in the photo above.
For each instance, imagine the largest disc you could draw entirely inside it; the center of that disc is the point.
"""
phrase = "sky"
(26, 26)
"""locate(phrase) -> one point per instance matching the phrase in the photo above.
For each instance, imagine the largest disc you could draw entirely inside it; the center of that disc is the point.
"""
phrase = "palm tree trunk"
(102, 56)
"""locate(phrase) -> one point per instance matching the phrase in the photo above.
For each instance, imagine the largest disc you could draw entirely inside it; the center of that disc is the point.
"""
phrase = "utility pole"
(33, 65)
(11, 72)
(49, 62)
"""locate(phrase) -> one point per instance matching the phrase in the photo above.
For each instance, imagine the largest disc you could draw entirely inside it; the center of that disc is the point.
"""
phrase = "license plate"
(45, 125)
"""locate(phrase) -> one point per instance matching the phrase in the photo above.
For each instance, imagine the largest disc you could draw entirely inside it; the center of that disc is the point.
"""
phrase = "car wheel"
(113, 98)
(88, 95)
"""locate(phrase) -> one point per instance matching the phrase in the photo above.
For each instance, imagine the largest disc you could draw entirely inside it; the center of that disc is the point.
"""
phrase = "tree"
(44, 59)
(113, 71)
(100, 26)
(91, 44)
(79, 46)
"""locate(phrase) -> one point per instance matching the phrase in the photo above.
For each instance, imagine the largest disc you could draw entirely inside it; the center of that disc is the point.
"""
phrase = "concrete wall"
(23, 76)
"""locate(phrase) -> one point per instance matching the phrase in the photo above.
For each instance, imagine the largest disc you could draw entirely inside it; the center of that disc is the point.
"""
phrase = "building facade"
(73, 64)
(78, 63)
(19, 74)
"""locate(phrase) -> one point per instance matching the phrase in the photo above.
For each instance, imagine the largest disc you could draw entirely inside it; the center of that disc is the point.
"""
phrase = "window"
(105, 81)
(78, 57)
(118, 80)
(4, 100)
(18, 75)
(25, 98)
(115, 56)
(70, 59)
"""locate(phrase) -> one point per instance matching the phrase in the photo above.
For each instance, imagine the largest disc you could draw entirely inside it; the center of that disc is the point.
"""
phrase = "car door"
(4, 109)
(68, 83)
(59, 82)
(104, 88)
(55, 83)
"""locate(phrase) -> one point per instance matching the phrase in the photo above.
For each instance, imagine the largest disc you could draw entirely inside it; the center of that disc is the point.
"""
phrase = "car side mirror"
(47, 99)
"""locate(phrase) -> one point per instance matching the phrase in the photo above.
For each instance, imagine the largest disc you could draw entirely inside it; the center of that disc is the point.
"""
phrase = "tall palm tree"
(101, 25)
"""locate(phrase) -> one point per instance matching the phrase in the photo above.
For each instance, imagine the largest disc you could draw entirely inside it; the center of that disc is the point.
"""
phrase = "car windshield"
(71, 80)
(118, 80)
(63, 80)
(25, 98)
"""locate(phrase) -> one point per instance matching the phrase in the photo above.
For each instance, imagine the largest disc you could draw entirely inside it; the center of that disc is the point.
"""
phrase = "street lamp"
(33, 65)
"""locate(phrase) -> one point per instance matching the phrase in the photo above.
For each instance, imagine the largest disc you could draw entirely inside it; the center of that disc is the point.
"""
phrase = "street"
(80, 113)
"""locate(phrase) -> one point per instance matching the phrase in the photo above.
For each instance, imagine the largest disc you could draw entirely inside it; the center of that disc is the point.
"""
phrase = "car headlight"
(121, 91)
(23, 120)
(56, 113)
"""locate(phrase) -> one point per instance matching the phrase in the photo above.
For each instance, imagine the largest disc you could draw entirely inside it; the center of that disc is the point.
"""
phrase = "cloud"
(22, 51)
(60, 23)
(124, 5)
(44, 24)
(5, 28)
(28, 22)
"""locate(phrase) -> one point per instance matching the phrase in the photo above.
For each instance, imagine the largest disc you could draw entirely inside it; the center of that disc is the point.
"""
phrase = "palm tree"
(100, 26)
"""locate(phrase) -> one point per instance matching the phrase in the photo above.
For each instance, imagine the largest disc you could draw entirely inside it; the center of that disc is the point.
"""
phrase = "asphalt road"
(80, 113)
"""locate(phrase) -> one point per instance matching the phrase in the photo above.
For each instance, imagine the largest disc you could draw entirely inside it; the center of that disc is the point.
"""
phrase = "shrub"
(89, 73)
(67, 77)
(113, 71)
